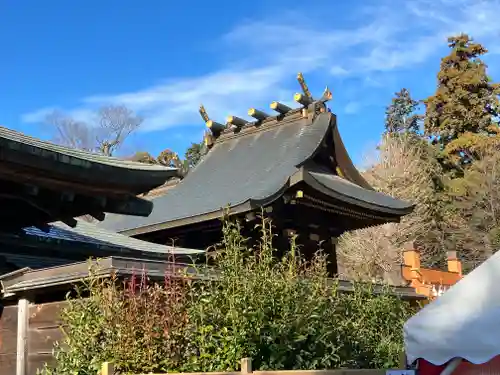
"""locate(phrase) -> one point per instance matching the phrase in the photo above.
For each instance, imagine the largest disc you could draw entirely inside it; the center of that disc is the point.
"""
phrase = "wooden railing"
(246, 369)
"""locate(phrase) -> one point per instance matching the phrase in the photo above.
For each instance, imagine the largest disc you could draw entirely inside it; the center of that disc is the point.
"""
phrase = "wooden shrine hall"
(291, 163)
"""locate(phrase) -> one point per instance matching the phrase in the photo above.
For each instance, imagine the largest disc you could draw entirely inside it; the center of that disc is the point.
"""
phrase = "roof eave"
(19, 150)
(398, 212)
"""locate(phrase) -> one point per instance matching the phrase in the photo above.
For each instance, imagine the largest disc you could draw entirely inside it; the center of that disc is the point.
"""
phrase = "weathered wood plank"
(37, 361)
(8, 364)
(8, 330)
(8, 319)
(45, 314)
(8, 342)
(42, 340)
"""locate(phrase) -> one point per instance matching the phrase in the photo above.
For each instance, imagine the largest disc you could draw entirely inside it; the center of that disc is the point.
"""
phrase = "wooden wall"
(8, 339)
(43, 331)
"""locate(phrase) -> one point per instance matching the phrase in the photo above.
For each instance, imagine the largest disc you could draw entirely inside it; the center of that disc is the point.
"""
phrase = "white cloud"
(177, 102)
(394, 37)
(37, 116)
(352, 107)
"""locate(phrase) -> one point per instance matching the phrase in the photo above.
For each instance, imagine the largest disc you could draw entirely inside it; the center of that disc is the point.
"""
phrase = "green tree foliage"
(144, 157)
(474, 200)
(171, 159)
(194, 153)
(400, 116)
(167, 157)
(465, 104)
(281, 312)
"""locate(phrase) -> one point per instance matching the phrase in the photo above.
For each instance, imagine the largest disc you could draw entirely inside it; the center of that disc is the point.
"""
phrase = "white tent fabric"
(464, 322)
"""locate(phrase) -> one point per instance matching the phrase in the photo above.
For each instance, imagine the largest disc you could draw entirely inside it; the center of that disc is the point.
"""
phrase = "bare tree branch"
(404, 171)
(112, 127)
(71, 133)
(116, 123)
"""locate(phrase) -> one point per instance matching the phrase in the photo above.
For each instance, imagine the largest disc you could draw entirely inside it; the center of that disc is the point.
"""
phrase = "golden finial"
(203, 114)
(327, 95)
(304, 87)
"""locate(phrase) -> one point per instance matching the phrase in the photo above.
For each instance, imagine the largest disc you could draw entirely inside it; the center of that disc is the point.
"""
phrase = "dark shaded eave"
(48, 160)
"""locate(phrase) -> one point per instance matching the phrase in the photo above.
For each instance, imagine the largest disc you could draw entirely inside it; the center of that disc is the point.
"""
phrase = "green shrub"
(282, 312)
(286, 314)
(137, 325)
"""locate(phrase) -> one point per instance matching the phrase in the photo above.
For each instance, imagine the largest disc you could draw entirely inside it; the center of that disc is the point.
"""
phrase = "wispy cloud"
(352, 107)
(37, 116)
(393, 37)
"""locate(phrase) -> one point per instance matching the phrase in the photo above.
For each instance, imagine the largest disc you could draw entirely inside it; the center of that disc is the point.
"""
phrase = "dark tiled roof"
(248, 168)
(348, 192)
(89, 233)
(252, 168)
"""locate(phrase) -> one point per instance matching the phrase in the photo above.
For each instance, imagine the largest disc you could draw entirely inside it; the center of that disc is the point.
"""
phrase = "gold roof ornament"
(327, 95)
(304, 87)
(203, 114)
(215, 127)
(280, 108)
(236, 122)
(302, 99)
(256, 114)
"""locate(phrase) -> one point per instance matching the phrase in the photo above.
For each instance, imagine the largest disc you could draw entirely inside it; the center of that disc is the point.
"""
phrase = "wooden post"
(402, 360)
(107, 368)
(246, 365)
(22, 337)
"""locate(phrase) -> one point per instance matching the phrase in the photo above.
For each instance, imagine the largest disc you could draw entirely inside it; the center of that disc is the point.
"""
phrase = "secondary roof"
(42, 182)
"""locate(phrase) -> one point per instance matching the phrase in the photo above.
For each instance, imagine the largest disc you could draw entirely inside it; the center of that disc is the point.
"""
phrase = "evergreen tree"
(144, 157)
(464, 110)
(194, 153)
(400, 116)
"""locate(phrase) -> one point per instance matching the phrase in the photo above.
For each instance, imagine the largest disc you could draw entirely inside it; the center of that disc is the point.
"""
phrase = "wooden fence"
(246, 369)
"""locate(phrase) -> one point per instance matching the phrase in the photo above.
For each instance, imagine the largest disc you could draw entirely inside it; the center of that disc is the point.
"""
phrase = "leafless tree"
(116, 123)
(110, 129)
(403, 171)
(71, 133)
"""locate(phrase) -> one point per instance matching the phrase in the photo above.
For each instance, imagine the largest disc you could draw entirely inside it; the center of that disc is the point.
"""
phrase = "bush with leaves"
(137, 325)
(287, 314)
(282, 312)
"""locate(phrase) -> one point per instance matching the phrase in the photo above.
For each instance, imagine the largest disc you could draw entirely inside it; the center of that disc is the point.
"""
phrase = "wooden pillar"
(454, 264)
(334, 268)
(411, 259)
(22, 337)
(107, 368)
(246, 366)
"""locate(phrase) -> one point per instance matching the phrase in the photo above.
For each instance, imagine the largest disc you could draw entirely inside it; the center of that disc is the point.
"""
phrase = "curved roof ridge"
(344, 161)
(39, 146)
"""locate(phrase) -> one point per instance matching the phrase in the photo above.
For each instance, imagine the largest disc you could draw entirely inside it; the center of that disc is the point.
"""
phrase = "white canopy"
(464, 322)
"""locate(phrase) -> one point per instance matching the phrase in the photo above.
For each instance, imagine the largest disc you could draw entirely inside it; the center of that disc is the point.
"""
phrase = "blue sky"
(163, 58)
